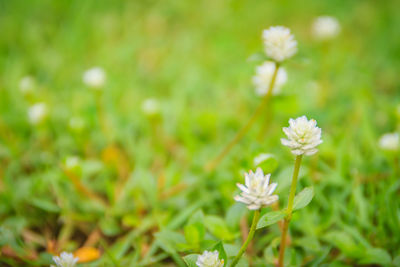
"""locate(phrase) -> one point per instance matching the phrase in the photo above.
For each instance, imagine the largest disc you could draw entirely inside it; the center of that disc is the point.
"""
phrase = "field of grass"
(104, 177)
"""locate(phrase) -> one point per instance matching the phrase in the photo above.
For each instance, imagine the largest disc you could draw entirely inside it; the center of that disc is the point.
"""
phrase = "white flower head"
(390, 142)
(151, 107)
(303, 136)
(209, 259)
(94, 77)
(263, 78)
(37, 113)
(325, 28)
(65, 260)
(279, 43)
(27, 85)
(257, 192)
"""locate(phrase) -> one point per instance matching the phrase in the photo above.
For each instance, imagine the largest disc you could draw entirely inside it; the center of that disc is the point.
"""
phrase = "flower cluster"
(390, 142)
(94, 77)
(263, 77)
(257, 192)
(65, 260)
(209, 259)
(279, 43)
(303, 136)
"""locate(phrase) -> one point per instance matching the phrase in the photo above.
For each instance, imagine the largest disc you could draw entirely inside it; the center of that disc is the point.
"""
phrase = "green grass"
(146, 191)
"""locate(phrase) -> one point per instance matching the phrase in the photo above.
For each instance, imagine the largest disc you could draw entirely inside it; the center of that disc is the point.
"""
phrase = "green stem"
(212, 164)
(289, 210)
(253, 228)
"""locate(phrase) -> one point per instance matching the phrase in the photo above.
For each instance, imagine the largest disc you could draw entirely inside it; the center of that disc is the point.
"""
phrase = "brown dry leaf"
(87, 254)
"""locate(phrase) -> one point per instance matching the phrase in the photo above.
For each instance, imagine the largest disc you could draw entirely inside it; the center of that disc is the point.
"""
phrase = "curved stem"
(212, 164)
(289, 210)
(253, 228)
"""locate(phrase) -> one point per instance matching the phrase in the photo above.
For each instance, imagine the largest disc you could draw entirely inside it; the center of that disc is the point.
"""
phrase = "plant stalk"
(253, 228)
(289, 210)
(212, 164)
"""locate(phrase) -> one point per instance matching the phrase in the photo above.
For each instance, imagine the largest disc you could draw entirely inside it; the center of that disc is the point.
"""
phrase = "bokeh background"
(102, 172)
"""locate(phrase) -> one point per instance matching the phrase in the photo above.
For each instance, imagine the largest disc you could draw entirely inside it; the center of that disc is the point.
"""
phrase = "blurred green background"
(136, 188)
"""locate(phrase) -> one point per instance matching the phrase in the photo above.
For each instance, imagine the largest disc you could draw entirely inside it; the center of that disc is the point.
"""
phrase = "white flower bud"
(37, 113)
(257, 192)
(94, 78)
(279, 43)
(303, 136)
(325, 28)
(263, 78)
(209, 259)
(390, 142)
(151, 107)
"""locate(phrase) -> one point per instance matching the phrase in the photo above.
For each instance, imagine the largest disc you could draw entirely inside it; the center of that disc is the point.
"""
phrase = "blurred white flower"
(325, 28)
(71, 162)
(209, 259)
(94, 77)
(76, 123)
(65, 260)
(260, 158)
(303, 136)
(263, 78)
(257, 192)
(37, 113)
(151, 107)
(279, 43)
(390, 141)
(27, 85)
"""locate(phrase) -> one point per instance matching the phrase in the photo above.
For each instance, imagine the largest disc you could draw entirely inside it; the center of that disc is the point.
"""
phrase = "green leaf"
(45, 205)
(303, 198)
(217, 226)
(221, 251)
(234, 214)
(376, 256)
(270, 218)
(190, 260)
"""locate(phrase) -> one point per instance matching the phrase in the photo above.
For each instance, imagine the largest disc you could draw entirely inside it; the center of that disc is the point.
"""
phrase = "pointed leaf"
(303, 198)
(270, 218)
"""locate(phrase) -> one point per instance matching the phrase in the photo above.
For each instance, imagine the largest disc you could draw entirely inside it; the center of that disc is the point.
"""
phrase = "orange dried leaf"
(87, 254)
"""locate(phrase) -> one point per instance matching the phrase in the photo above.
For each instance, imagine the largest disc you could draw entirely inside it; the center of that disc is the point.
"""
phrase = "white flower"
(263, 78)
(26, 85)
(325, 28)
(71, 162)
(209, 259)
(257, 192)
(94, 77)
(37, 113)
(389, 141)
(303, 136)
(279, 43)
(150, 107)
(65, 260)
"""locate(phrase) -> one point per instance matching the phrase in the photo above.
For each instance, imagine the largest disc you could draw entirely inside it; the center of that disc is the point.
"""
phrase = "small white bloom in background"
(65, 260)
(71, 162)
(279, 43)
(325, 28)
(390, 142)
(209, 259)
(303, 136)
(37, 113)
(257, 192)
(94, 77)
(150, 107)
(263, 78)
(27, 85)
(261, 158)
(76, 123)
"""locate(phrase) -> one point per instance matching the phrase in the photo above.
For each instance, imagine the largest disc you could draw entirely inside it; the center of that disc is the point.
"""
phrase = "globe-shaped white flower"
(279, 43)
(94, 78)
(325, 28)
(263, 78)
(65, 260)
(37, 113)
(257, 192)
(390, 142)
(303, 136)
(209, 259)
